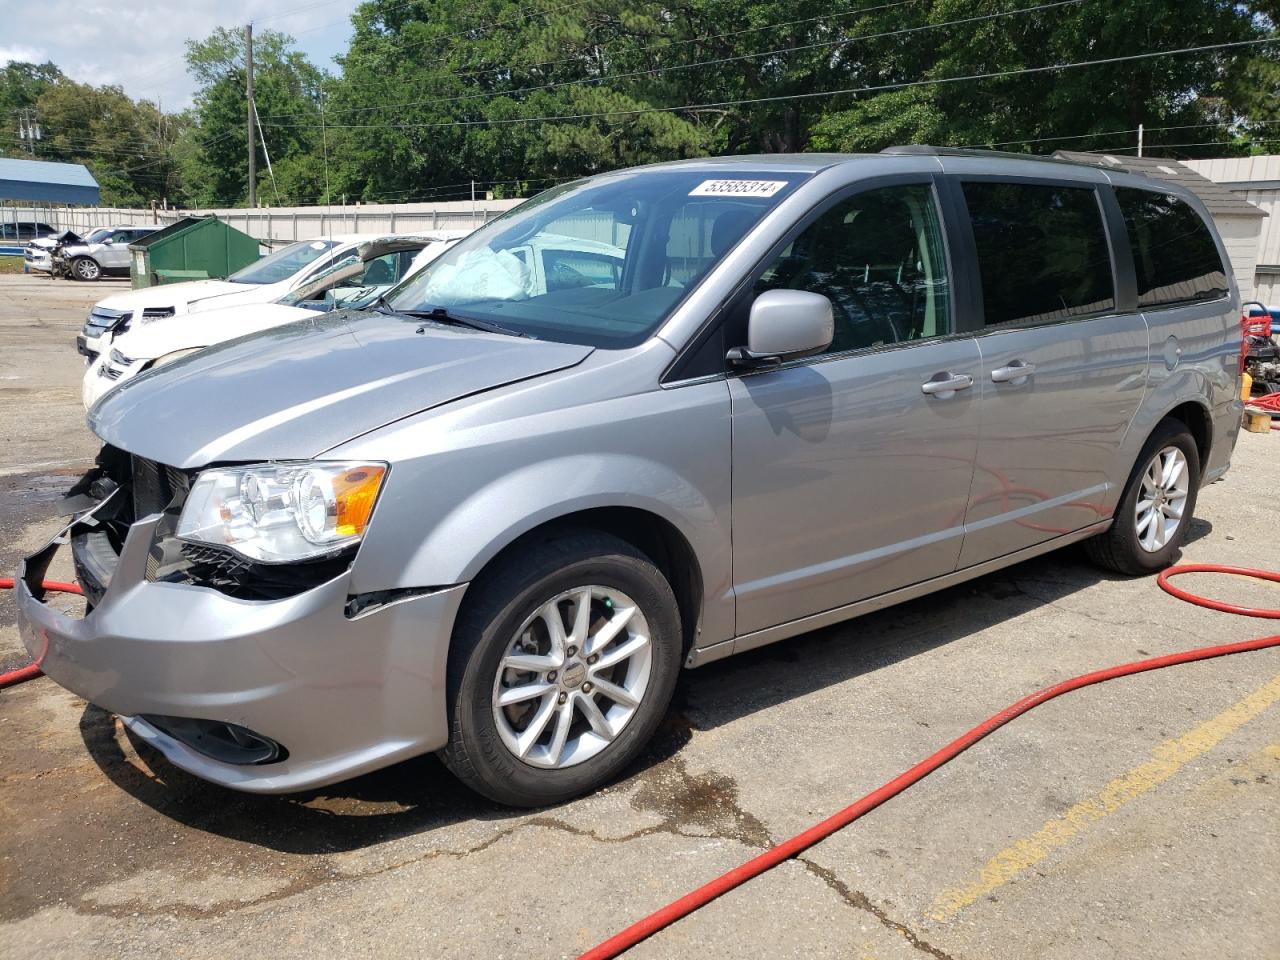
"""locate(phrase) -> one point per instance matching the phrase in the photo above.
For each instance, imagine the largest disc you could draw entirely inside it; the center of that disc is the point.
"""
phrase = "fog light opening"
(219, 740)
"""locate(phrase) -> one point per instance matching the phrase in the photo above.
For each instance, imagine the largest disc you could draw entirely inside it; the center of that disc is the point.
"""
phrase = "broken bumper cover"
(342, 695)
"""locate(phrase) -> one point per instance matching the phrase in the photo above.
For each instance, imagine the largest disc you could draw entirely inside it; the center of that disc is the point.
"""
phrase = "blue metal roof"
(48, 182)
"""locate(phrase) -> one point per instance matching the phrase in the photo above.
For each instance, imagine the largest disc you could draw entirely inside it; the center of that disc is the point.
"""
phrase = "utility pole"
(248, 78)
(1140, 131)
(28, 129)
(324, 139)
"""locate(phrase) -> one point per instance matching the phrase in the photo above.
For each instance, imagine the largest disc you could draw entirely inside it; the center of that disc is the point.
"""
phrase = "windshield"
(338, 286)
(98, 235)
(283, 263)
(600, 262)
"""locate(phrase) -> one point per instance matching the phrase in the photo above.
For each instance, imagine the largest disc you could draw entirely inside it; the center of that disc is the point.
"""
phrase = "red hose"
(800, 842)
(32, 670)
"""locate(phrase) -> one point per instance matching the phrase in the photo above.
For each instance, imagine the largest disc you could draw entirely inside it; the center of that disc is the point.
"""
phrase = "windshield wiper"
(381, 305)
(441, 315)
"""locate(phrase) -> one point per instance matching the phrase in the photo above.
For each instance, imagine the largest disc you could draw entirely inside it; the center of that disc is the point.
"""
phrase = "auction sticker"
(737, 188)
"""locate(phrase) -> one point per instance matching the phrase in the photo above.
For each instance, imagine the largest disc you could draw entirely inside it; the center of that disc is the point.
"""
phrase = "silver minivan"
(494, 515)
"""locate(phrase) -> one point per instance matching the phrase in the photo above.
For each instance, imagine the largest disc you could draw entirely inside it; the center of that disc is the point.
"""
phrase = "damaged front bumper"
(198, 673)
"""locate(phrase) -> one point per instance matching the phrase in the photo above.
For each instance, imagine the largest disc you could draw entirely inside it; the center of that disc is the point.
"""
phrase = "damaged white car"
(262, 281)
(351, 281)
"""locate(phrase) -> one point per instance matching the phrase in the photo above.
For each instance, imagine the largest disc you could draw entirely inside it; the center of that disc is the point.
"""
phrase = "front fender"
(477, 529)
(469, 489)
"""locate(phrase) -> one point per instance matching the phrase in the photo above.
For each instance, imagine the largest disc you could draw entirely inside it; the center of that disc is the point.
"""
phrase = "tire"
(1131, 548)
(85, 268)
(507, 614)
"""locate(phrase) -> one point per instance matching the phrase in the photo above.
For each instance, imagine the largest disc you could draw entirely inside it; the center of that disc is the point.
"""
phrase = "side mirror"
(107, 241)
(785, 325)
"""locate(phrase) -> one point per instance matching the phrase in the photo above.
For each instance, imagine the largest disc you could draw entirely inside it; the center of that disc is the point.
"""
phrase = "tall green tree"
(1181, 99)
(213, 154)
(435, 93)
(125, 144)
(516, 95)
(20, 87)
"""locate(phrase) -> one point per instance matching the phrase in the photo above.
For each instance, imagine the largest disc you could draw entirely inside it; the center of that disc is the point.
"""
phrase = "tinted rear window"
(1174, 255)
(1042, 251)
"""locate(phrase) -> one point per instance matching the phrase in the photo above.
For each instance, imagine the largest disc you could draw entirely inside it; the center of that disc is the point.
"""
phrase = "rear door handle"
(945, 385)
(1016, 372)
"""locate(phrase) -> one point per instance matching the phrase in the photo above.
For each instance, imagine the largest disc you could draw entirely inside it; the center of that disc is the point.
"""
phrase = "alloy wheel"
(572, 677)
(1162, 500)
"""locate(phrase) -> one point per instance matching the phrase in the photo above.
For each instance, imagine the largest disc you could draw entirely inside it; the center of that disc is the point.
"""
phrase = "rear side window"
(1042, 252)
(1174, 255)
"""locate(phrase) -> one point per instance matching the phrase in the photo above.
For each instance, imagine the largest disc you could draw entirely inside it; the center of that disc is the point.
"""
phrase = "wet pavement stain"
(703, 804)
(138, 816)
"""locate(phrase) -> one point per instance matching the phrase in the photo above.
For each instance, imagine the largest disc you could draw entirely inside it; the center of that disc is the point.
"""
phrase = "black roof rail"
(923, 149)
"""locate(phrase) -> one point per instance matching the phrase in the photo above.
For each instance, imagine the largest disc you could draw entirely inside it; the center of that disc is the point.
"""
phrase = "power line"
(481, 28)
(181, 58)
(335, 23)
(303, 9)
(1111, 133)
(51, 144)
(646, 49)
(850, 91)
(712, 63)
(199, 146)
(1200, 143)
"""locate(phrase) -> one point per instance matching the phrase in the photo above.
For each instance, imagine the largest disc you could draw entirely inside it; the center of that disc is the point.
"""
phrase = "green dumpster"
(193, 248)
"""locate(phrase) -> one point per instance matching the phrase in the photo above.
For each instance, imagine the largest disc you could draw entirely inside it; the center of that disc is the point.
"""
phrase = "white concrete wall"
(285, 223)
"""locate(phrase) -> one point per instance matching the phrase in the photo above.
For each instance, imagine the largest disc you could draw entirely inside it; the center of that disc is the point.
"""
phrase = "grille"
(216, 561)
(227, 572)
(155, 486)
(110, 372)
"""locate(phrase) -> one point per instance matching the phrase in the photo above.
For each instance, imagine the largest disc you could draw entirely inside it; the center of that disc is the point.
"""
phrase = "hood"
(295, 391)
(238, 294)
(177, 295)
(155, 338)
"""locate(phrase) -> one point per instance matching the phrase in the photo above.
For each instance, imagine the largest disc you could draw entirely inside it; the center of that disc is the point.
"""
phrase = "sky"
(139, 44)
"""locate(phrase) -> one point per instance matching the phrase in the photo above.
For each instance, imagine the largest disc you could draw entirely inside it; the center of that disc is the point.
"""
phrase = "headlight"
(176, 355)
(282, 512)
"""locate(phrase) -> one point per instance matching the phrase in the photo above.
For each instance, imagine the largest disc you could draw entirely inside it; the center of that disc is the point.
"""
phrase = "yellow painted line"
(1166, 760)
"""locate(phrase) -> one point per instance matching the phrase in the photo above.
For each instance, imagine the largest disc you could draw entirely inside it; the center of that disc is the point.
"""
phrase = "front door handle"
(1016, 372)
(945, 385)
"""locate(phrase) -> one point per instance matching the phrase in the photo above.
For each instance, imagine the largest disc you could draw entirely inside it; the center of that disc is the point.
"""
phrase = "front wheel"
(1155, 510)
(86, 268)
(563, 663)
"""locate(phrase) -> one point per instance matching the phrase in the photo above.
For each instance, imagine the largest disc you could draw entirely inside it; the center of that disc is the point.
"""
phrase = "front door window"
(879, 258)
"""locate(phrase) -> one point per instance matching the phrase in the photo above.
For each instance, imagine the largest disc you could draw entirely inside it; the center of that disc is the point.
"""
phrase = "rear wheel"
(563, 663)
(85, 268)
(1152, 517)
